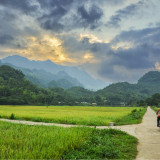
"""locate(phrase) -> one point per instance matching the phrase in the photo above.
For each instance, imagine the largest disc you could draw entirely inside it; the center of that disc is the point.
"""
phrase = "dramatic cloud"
(26, 6)
(91, 17)
(53, 13)
(5, 39)
(126, 12)
(115, 40)
(143, 56)
(47, 47)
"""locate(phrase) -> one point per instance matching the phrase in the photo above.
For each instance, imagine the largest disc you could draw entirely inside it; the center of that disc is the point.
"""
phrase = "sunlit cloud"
(89, 57)
(157, 66)
(92, 38)
(107, 38)
(122, 45)
(47, 47)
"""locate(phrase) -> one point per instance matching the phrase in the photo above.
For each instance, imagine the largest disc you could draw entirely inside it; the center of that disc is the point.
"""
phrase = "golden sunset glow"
(92, 38)
(122, 45)
(88, 56)
(157, 66)
(48, 47)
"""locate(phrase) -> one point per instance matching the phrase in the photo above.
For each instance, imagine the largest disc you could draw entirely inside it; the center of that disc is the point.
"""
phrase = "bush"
(12, 116)
(135, 110)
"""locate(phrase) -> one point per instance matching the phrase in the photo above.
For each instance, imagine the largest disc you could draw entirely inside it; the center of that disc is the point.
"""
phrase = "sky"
(113, 40)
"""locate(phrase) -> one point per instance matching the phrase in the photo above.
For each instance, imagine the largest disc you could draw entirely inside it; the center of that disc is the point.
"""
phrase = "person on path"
(158, 117)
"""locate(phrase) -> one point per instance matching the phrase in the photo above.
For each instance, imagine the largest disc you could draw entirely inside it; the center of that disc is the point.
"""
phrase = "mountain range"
(125, 92)
(43, 72)
(14, 87)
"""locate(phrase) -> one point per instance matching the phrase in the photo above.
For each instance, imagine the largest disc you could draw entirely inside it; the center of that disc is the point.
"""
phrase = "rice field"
(38, 142)
(19, 141)
(67, 114)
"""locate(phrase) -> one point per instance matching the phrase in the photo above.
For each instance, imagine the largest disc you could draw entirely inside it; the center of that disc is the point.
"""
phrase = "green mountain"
(150, 83)
(13, 85)
(16, 89)
(43, 78)
(82, 77)
(61, 83)
(80, 92)
(82, 96)
(150, 78)
(125, 93)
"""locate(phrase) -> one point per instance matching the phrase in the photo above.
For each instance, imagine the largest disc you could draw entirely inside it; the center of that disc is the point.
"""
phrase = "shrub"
(12, 116)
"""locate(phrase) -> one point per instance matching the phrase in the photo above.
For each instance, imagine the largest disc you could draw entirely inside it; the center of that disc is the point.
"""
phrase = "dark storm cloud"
(134, 58)
(49, 13)
(147, 35)
(5, 39)
(81, 17)
(54, 3)
(114, 2)
(141, 57)
(91, 17)
(53, 18)
(23, 5)
(19, 19)
(52, 21)
(121, 14)
(58, 15)
(123, 63)
(81, 47)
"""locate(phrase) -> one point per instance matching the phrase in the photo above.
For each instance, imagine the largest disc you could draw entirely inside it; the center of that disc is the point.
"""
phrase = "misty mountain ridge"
(43, 78)
(122, 93)
(82, 77)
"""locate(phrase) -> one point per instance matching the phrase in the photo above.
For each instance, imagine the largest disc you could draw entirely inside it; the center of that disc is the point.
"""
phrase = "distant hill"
(13, 85)
(126, 93)
(82, 77)
(150, 82)
(62, 83)
(150, 78)
(16, 89)
(43, 78)
(78, 92)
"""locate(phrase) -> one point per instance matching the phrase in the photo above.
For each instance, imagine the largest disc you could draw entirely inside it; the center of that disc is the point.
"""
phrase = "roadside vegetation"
(135, 117)
(96, 116)
(155, 108)
(19, 141)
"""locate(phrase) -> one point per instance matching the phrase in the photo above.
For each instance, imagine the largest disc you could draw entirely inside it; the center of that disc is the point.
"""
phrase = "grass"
(97, 116)
(155, 108)
(106, 144)
(19, 141)
(135, 117)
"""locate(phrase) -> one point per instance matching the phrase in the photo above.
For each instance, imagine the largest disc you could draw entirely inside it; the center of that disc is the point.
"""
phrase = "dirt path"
(147, 133)
(149, 137)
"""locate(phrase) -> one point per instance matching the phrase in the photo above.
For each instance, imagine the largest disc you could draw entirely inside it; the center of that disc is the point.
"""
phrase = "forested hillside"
(126, 93)
(82, 78)
(43, 79)
(16, 89)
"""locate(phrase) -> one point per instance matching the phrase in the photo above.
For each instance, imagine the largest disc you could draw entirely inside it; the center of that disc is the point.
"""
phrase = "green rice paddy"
(98, 116)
